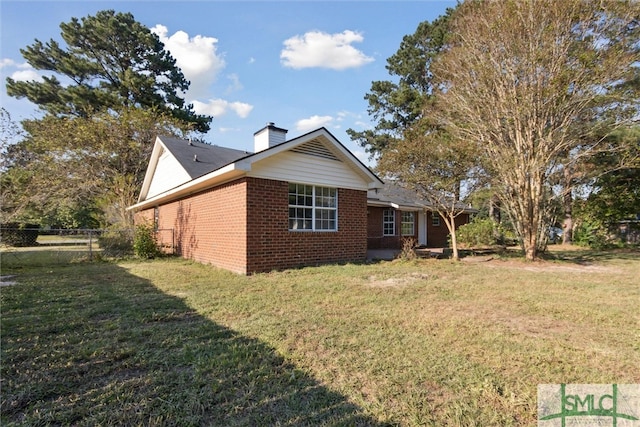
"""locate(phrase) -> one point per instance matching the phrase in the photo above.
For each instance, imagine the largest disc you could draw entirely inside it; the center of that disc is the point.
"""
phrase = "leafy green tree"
(110, 61)
(83, 171)
(396, 106)
(614, 193)
(517, 78)
(435, 165)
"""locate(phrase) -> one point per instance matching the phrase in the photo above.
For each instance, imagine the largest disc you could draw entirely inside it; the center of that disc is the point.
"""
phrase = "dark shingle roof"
(207, 157)
(395, 193)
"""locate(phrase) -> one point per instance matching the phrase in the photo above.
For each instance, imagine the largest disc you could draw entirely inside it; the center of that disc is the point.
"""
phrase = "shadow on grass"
(15, 259)
(578, 255)
(90, 344)
(575, 254)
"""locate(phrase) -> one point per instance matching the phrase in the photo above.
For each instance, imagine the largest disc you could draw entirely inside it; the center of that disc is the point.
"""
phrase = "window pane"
(408, 223)
(312, 207)
(388, 222)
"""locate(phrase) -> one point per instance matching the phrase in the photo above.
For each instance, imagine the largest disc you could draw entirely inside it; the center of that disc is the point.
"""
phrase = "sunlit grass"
(430, 342)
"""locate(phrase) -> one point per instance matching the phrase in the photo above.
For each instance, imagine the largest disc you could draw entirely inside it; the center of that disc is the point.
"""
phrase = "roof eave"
(217, 177)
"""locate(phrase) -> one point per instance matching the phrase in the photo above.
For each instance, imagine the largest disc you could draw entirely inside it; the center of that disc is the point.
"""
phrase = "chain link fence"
(21, 247)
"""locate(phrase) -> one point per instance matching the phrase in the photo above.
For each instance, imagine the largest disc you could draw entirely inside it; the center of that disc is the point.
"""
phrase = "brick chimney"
(268, 136)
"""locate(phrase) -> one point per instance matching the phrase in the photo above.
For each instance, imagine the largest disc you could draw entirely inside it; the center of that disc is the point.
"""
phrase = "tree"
(517, 78)
(76, 172)
(614, 190)
(111, 61)
(435, 165)
(395, 107)
(10, 132)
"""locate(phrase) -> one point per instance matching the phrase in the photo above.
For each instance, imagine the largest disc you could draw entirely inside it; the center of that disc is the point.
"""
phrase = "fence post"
(90, 245)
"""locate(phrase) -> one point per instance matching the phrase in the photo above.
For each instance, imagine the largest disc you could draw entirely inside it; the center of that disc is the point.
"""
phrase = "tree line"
(112, 88)
(524, 101)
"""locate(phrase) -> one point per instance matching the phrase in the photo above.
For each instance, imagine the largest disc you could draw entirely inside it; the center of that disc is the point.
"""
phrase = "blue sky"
(299, 64)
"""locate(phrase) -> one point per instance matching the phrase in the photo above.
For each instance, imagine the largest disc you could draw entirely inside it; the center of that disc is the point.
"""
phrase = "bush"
(144, 242)
(408, 246)
(590, 234)
(478, 233)
(20, 235)
(116, 243)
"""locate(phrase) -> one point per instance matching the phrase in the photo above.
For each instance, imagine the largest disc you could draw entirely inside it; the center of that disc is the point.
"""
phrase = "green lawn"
(429, 342)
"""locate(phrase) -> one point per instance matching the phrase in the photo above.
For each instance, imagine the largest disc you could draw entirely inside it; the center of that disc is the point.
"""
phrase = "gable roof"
(198, 158)
(210, 165)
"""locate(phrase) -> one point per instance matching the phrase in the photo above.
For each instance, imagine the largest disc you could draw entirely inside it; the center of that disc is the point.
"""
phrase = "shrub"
(144, 242)
(590, 234)
(408, 246)
(479, 232)
(20, 235)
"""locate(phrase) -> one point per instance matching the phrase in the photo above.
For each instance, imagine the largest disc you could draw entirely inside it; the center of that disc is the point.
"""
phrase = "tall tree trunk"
(494, 209)
(567, 202)
(495, 215)
(450, 222)
(530, 244)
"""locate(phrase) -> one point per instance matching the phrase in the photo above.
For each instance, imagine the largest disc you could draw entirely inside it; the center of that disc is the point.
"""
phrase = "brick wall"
(375, 237)
(209, 227)
(243, 227)
(273, 247)
(437, 236)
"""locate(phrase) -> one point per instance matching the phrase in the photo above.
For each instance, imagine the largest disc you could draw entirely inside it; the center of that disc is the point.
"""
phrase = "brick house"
(395, 213)
(290, 203)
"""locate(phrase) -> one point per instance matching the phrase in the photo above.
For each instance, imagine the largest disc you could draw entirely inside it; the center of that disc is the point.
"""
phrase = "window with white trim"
(312, 208)
(408, 223)
(435, 219)
(388, 222)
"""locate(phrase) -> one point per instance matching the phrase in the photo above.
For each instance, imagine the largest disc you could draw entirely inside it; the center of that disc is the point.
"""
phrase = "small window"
(408, 223)
(388, 222)
(312, 208)
(435, 219)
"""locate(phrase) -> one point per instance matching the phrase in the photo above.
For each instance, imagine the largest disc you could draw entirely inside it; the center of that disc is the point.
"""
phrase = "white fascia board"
(151, 168)
(378, 204)
(220, 176)
(158, 150)
(381, 204)
(463, 209)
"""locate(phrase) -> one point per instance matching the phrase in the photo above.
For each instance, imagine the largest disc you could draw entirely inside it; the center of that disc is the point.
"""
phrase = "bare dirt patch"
(395, 282)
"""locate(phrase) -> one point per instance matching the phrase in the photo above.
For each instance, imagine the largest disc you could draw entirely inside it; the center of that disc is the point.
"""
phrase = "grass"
(428, 342)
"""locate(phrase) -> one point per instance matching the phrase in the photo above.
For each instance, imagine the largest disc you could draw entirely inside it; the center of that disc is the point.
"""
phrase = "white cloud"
(26, 75)
(363, 125)
(318, 49)
(220, 107)
(7, 62)
(313, 122)
(242, 109)
(196, 56)
(25, 71)
(235, 84)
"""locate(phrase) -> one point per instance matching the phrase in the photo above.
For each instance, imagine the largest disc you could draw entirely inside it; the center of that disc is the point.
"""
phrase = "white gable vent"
(315, 148)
